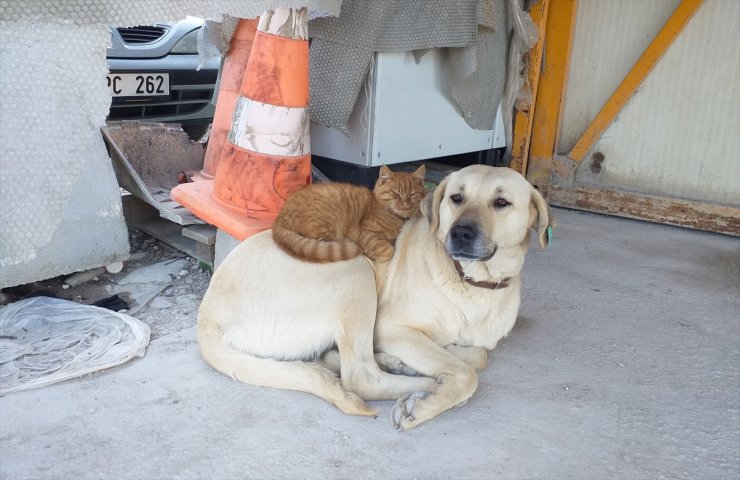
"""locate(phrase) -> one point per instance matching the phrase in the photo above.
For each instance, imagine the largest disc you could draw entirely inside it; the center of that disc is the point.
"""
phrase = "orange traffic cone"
(232, 74)
(266, 156)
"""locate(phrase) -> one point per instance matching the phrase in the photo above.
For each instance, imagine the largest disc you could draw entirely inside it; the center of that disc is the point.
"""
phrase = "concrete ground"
(624, 363)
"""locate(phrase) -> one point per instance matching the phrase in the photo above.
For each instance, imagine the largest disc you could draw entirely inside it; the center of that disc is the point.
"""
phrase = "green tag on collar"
(549, 235)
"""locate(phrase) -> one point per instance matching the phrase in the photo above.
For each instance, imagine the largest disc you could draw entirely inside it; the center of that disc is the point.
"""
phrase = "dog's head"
(479, 209)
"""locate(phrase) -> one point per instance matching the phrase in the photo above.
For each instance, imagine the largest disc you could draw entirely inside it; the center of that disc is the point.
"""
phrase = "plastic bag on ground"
(48, 340)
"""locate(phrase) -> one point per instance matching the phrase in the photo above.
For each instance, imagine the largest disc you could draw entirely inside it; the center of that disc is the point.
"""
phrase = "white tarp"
(48, 340)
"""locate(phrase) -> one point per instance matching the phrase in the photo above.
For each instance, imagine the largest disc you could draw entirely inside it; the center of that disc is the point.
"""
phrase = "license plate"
(138, 84)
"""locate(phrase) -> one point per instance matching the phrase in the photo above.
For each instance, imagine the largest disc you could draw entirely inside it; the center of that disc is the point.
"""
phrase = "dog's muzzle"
(465, 242)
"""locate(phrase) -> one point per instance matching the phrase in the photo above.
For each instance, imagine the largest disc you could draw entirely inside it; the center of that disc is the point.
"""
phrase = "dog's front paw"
(402, 413)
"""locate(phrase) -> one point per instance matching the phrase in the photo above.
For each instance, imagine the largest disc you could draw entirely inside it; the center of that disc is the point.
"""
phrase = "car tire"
(197, 131)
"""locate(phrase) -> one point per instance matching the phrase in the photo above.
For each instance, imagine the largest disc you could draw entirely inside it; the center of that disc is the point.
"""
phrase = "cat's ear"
(430, 205)
(385, 173)
(419, 173)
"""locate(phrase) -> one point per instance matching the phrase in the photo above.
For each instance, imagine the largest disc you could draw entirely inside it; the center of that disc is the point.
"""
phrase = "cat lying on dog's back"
(329, 222)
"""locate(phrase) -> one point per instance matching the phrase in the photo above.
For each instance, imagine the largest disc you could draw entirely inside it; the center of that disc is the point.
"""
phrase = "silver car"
(154, 77)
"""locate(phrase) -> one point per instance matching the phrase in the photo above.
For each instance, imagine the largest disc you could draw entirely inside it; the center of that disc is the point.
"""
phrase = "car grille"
(142, 34)
(182, 100)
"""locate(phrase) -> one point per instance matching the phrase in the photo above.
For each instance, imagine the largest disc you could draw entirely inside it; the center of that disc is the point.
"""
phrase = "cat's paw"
(383, 258)
(383, 254)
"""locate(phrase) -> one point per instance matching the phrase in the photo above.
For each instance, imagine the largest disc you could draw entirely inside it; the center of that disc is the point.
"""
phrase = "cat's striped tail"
(313, 250)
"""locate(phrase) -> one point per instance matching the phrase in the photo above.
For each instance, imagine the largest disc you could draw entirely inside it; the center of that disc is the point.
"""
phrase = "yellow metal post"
(545, 134)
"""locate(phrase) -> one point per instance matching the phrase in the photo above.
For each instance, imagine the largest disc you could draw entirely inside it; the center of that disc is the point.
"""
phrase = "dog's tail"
(265, 372)
(312, 249)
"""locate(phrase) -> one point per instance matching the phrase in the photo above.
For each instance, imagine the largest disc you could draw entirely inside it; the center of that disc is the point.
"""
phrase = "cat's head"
(402, 193)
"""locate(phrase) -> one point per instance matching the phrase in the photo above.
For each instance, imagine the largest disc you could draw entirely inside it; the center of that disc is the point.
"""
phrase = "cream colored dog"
(452, 291)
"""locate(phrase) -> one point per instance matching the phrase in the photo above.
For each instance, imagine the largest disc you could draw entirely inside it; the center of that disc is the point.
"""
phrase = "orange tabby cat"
(329, 222)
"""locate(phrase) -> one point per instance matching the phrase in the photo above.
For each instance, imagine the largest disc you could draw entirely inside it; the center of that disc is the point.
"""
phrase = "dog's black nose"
(463, 234)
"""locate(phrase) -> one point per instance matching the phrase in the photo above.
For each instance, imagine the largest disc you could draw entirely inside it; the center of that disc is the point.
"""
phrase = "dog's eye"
(456, 198)
(501, 203)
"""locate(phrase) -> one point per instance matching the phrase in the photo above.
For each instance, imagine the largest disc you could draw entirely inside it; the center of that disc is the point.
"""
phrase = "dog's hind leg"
(302, 376)
(386, 362)
(392, 364)
(359, 371)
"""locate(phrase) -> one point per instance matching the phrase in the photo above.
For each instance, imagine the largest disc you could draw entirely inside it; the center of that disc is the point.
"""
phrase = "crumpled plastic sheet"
(48, 340)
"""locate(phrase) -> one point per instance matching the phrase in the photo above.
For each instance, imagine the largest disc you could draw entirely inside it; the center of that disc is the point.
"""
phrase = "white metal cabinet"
(403, 115)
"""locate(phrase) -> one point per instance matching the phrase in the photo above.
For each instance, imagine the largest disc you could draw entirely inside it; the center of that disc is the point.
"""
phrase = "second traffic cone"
(266, 156)
(232, 74)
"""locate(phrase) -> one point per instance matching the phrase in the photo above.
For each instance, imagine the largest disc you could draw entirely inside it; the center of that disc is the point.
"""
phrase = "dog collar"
(490, 285)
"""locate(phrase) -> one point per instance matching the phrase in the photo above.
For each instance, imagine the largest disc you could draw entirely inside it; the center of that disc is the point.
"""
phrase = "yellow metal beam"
(548, 112)
(524, 115)
(635, 77)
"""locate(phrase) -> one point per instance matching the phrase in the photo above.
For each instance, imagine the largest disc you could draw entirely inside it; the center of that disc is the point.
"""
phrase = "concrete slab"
(624, 363)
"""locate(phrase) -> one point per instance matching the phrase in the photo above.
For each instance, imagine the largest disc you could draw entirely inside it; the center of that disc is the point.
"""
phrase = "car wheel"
(196, 131)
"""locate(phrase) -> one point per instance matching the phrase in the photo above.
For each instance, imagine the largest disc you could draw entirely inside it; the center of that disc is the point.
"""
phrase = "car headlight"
(187, 44)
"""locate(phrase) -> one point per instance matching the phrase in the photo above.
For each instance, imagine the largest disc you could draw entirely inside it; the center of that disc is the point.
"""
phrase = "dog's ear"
(540, 218)
(430, 205)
